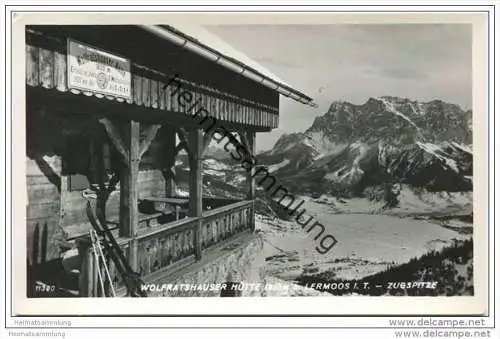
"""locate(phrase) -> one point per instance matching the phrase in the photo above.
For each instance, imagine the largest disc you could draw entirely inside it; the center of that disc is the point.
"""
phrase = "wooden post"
(195, 146)
(86, 279)
(129, 214)
(128, 144)
(249, 139)
(170, 161)
(91, 281)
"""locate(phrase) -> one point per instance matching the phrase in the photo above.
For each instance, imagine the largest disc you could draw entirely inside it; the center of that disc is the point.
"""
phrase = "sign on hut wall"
(93, 70)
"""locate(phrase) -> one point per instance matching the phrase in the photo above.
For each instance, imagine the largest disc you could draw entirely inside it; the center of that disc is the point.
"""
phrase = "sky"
(355, 62)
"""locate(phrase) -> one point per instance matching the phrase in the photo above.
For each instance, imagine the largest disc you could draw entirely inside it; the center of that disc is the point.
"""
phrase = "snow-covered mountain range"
(386, 139)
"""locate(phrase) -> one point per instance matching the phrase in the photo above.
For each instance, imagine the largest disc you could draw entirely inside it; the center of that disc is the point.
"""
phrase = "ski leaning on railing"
(131, 279)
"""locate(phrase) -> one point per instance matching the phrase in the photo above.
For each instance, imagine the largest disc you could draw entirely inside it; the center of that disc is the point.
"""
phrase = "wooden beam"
(46, 64)
(155, 100)
(137, 89)
(184, 138)
(151, 132)
(213, 106)
(32, 66)
(60, 71)
(208, 107)
(248, 139)
(223, 110)
(89, 260)
(146, 90)
(171, 152)
(161, 96)
(129, 193)
(193, 106)
(168, 97)
(204, 101)
(196, 184)
(174, 97)
(217, 112)
(116, 139)
(207, 137)
(237, 114)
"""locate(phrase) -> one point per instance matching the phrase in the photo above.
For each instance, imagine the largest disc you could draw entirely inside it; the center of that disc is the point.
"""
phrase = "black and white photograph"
(156, 160)
(250, 160)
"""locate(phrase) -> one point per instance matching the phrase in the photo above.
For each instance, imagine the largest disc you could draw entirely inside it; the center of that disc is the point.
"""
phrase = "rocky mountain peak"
(336, 106)
(388, 136)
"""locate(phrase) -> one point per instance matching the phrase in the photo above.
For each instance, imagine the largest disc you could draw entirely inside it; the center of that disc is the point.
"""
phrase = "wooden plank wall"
(47, 68)
(151, 183)
(43, 210)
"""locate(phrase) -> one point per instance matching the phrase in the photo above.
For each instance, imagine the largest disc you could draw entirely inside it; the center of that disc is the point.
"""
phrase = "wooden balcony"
(109, 139)
(167, 248)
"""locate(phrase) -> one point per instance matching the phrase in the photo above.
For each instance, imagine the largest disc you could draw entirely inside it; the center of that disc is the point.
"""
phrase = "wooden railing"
(161, 247)
(166, 246)
(222, 223)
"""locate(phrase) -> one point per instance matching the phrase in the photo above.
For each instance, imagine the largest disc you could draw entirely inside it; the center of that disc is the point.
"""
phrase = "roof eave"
(195, 46)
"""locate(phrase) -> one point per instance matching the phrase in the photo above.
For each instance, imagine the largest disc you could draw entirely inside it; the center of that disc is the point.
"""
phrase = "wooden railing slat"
(146, 91)
(46, 63)
(154, 94)
(32, 65)
(161, 95)
(60, 73)
(137, 89)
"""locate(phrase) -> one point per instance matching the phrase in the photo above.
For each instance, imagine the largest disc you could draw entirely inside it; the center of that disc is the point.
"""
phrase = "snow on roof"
(211, 43)
(207, 38)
